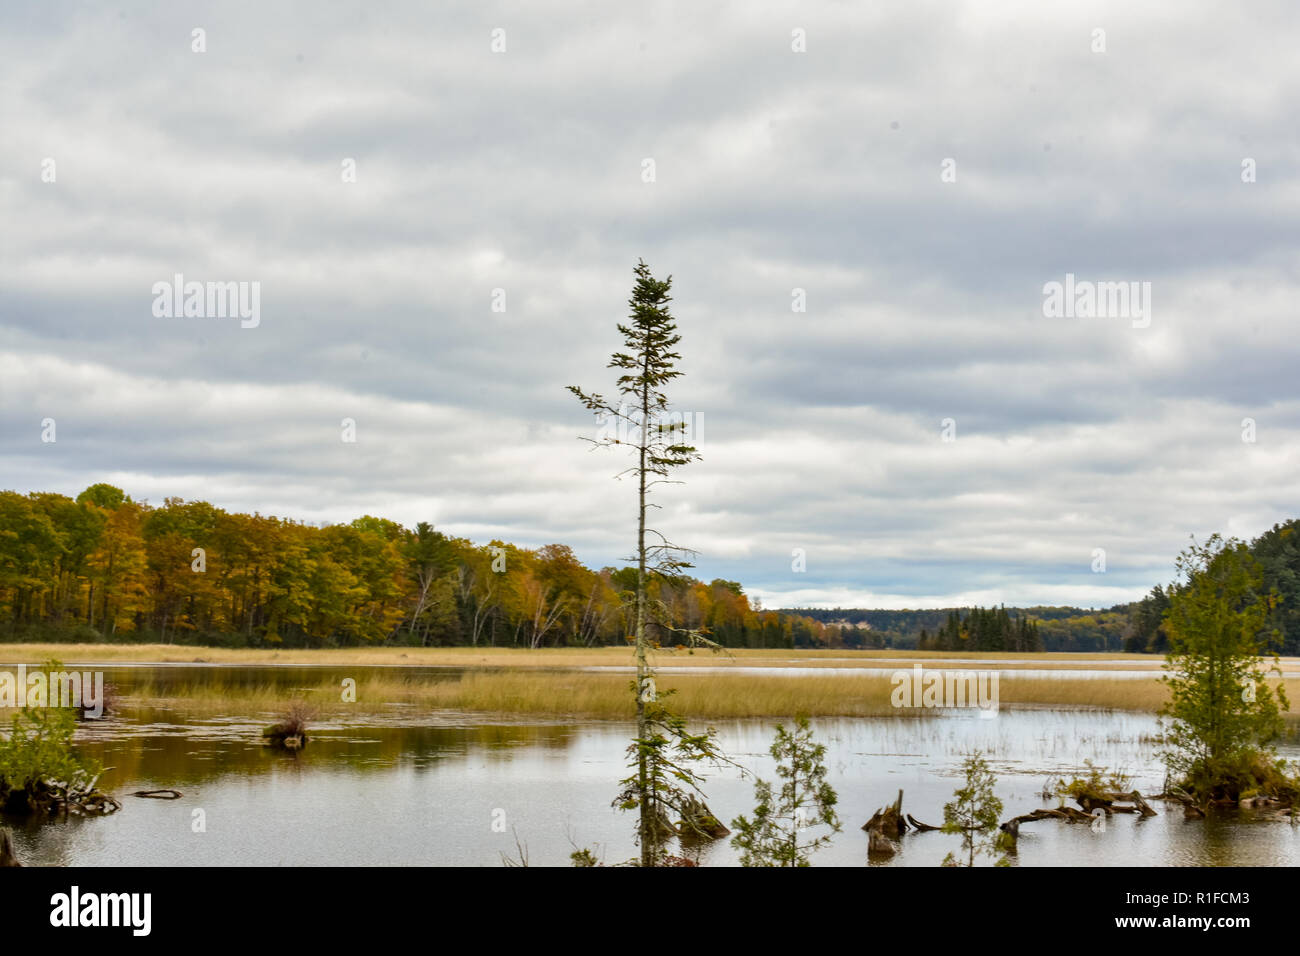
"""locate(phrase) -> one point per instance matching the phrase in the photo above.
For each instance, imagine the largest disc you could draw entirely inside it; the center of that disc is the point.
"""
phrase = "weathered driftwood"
(1191, 810)
(159, 794)
(918, 826)
(698, 821)
(57, 797)
(1092, 804)
(1068, 814)
(7, 855)
(1143, 807)
(1194, 809)
(1108, 803)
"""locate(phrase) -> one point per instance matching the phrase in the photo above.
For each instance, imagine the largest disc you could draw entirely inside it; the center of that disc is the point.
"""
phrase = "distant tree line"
(949, 629)
(1137, 627)
(993, 629)
(102, 566)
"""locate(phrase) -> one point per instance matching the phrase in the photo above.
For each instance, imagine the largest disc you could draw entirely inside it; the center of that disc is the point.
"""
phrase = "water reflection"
(417, 787)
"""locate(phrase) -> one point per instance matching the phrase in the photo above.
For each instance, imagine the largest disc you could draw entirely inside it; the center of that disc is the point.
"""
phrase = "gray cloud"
(775, 170)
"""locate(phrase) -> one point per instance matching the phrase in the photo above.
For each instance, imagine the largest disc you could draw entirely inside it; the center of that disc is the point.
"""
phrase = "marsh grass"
(607, 696)
(537, 683)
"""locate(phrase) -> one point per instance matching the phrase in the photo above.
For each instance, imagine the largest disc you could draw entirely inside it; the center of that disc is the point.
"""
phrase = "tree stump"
(1142, 806)
(699, 822)
(885, 828)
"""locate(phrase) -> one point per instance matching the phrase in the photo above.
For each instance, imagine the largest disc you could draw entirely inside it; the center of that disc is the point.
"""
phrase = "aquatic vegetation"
(40, 773)
(291, 731)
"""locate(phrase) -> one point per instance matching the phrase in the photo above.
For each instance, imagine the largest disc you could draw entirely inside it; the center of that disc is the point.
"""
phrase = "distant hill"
(1060, 628)
(1135, 627)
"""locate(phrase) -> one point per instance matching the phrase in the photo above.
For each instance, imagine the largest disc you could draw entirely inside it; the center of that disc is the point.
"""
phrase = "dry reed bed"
(607, 696)
(509, 681)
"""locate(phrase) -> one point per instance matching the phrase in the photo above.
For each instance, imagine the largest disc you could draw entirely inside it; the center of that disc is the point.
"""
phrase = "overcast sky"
(127, 157)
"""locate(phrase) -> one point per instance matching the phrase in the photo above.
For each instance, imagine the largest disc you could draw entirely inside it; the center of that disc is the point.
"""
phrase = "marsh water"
(411, 787)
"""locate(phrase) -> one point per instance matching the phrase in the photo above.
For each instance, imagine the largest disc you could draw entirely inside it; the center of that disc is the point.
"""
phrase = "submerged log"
(159, 794)
(1091, 804)
(918, 826)
(7, 855)
(1068, 814)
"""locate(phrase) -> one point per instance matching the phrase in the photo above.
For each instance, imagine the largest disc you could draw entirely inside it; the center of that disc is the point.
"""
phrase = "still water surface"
(413, 787)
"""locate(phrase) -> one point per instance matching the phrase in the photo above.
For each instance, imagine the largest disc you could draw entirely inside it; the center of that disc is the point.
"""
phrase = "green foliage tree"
(974, 813)
(40, 770)
(1278, 551)
(641, 420)
(1223, 715)
(39, 748)
(772, 838)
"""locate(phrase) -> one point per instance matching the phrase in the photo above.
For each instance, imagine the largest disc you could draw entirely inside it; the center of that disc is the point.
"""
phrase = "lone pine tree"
(663, 751)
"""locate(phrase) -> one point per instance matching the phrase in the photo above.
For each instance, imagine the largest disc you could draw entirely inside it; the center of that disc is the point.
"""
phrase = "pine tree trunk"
(649, 828)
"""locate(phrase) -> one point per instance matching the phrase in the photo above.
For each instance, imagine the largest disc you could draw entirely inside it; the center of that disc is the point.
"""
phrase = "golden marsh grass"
(607, 696)
(536, 683)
